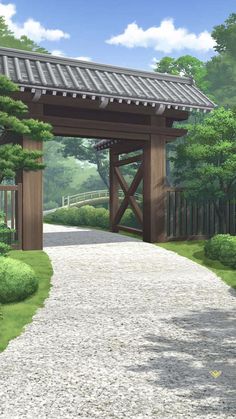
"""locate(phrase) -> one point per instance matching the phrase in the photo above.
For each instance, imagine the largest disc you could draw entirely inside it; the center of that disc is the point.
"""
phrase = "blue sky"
(121, 32)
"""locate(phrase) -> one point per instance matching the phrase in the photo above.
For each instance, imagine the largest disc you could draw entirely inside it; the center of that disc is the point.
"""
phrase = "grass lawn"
(194, 250)
(15, 316)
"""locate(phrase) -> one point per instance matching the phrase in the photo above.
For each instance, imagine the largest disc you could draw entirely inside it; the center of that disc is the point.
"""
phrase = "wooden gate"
(11, 211)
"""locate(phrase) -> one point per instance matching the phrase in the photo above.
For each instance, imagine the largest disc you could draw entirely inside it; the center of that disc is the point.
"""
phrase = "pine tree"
(13, 157)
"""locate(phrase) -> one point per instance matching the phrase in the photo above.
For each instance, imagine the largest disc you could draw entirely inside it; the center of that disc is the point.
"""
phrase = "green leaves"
(225, 36)
(14, 107)
(7, 39)
(185, 65)
(37, 130)
(14, 158)
(7, 86)
(205, 162)
(12, 112)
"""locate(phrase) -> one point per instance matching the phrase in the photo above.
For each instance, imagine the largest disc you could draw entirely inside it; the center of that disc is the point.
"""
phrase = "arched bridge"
(89, 198)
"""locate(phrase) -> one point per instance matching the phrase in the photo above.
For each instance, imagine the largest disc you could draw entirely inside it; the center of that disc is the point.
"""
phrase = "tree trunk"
(221, 212)
(100, 171)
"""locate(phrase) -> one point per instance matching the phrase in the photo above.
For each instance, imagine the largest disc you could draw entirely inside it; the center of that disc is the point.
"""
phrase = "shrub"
(6, 234)
(101, 218)
(212, 246)
(84, 216)
(228, 252)
(50, 205)
(88, 216)
(4, 249)
(17, 280)
(129, 219)
(56, 217)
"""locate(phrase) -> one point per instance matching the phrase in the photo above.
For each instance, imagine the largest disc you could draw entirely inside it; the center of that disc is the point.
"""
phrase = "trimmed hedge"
(17, 281)
(88, 216)
(222, 247)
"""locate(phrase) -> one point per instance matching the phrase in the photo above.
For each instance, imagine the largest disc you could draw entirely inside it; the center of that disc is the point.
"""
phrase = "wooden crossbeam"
(130, 229)
(129, 160)
(129, 192)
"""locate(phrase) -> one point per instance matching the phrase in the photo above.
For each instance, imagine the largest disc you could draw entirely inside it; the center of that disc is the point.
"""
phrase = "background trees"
(205, 161)
(7, 39)
(64, 175)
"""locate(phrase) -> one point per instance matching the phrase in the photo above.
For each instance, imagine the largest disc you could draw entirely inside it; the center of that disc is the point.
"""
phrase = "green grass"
(16, 315)
(194, 250)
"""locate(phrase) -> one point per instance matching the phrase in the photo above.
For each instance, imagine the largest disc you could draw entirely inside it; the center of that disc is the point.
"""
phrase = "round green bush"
(4, 249)
(228, 253)
(101, 218)
(129, 219)
(212, 246)
(17, 280)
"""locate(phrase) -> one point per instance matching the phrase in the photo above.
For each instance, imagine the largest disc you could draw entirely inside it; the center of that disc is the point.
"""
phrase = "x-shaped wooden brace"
(129, 195)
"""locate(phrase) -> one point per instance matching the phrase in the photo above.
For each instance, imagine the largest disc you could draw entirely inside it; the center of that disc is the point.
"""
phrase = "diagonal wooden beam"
(129, 192)
(121, 180)
(136, 209)
(137, 179)
(121, 210)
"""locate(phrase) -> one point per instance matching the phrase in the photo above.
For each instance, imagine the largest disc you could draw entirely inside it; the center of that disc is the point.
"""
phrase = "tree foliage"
(12, 157)
(83, 149)
(225, 36)
(205, 161)
(185, 65)
(221, 69)
(7, 39)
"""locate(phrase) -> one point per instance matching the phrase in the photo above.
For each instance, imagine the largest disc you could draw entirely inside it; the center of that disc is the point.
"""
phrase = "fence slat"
(5, 206)
(186, 219)
(12, 209)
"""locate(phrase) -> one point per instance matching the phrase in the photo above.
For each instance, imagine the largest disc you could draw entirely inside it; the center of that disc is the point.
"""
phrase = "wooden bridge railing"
(186, 220)
(11, 207)
(85, 196)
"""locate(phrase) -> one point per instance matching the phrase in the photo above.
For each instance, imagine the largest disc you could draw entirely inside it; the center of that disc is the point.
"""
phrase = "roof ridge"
(90, 64)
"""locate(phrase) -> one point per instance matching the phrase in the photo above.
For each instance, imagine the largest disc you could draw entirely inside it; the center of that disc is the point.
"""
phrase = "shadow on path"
(82, 237)
(202, 342)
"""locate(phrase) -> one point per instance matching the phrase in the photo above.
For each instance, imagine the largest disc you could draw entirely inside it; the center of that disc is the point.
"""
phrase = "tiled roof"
(66, 76)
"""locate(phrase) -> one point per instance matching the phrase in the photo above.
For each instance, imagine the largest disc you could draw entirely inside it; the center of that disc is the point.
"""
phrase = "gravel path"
(130, 330)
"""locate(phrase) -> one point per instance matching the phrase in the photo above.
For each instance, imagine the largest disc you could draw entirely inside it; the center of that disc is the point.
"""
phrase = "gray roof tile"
(72, 76)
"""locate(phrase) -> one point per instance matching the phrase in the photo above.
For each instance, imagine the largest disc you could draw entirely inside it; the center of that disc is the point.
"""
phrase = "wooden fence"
(11, 207)
(186, 220)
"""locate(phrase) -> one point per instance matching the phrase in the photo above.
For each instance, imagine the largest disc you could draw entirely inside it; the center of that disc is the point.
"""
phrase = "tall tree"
(225, 36)
(83, 149)
(221, 69)
(186, 65)
(205, 161)
(8, 39)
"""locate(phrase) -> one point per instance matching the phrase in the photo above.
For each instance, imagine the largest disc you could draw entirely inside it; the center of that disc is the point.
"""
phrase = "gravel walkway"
(130, 330)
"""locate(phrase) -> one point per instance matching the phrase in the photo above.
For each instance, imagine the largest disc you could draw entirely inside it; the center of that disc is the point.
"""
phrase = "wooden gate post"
(154, 189)
(114, 192)
(32, 202)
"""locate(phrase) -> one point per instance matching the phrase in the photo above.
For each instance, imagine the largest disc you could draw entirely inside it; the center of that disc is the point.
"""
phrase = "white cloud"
(31, 28)
(82, 58)
(60, 53)
(7, 11)
(154, 63)
(164, 38)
